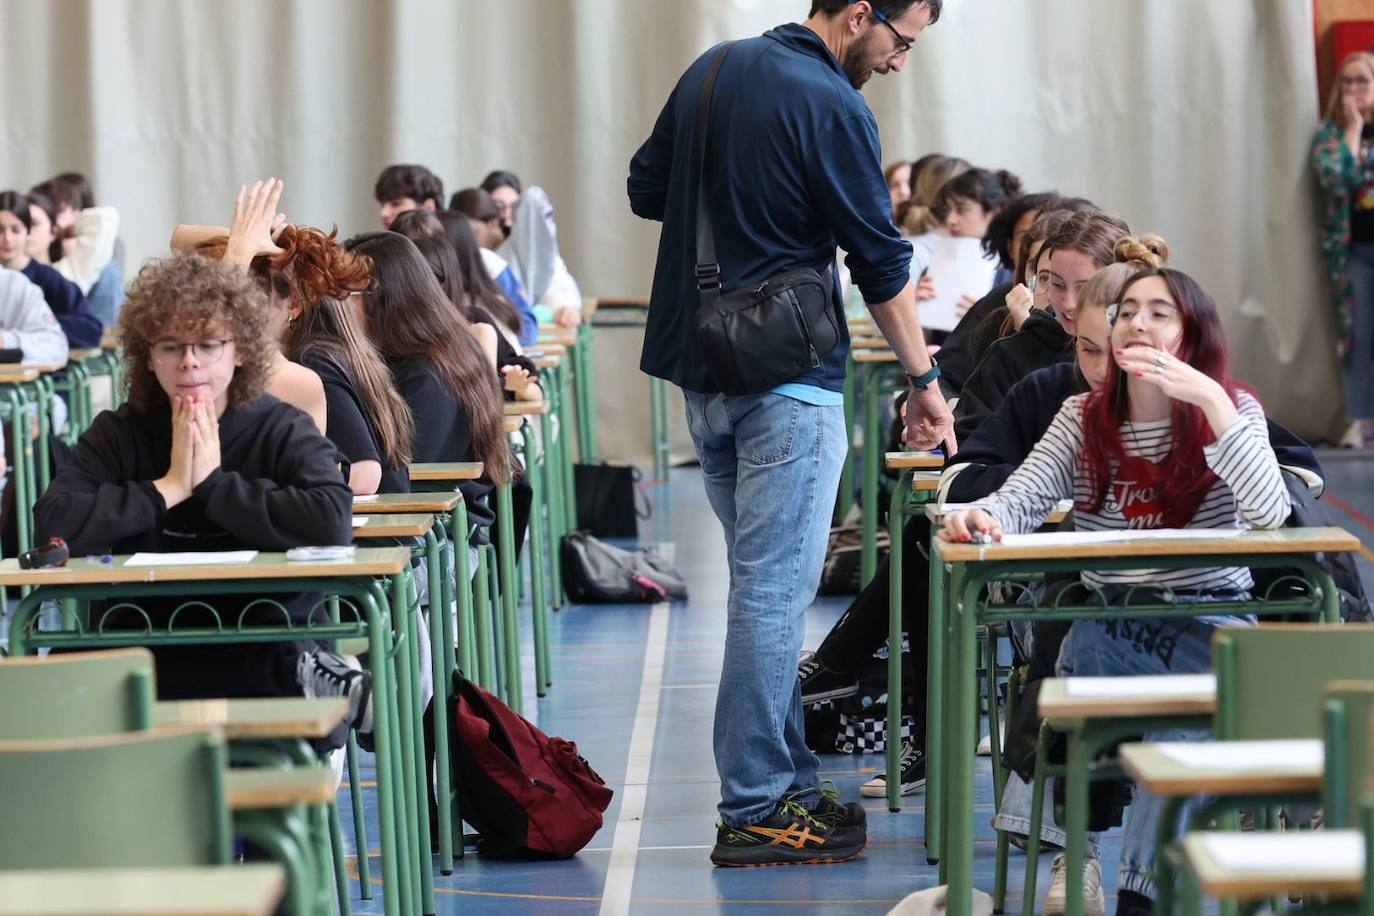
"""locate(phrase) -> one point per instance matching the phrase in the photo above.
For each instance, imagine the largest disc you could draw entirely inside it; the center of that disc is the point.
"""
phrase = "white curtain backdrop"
(1189, 119)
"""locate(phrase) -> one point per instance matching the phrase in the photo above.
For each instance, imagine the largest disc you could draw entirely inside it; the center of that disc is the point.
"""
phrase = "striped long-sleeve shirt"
(1249, 491)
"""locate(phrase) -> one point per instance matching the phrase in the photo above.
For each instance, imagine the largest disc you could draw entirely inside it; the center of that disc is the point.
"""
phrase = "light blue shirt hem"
(810, 394)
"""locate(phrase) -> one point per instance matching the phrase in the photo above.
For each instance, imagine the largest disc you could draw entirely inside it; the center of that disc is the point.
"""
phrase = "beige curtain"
(1190, 119)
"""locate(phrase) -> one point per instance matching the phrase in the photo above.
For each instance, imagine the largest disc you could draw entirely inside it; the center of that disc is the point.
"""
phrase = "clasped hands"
(195, 449)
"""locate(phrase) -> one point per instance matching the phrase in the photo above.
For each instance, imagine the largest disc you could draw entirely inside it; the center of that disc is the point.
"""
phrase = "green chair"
(1270, 677)
(1346, 710)
(153, 798)
(1271, 684)
(76, 695)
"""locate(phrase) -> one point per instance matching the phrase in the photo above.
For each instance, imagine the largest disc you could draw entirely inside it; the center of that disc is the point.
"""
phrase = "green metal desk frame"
(957, 607)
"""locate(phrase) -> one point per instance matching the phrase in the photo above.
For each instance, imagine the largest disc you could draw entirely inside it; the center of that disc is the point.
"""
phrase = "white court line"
(620, 871)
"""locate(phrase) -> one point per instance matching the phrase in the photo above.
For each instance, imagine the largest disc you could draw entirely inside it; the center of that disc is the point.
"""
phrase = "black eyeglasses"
(903, 46)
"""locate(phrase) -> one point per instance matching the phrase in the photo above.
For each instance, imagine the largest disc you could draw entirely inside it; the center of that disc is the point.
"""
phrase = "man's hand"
(929, 424)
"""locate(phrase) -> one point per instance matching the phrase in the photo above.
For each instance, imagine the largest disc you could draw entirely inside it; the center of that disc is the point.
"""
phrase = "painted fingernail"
(1140, 375)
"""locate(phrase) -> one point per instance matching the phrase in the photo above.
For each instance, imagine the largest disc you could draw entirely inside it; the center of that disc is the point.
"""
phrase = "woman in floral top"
(1341, 157)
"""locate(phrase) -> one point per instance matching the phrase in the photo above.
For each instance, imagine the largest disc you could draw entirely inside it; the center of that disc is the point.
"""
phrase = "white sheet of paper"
(360, 520)
(958, 268)
(1064, 505)
(1302, 754)
(1157, 685)
(193, 558)
(1320, 852)
(1088, 538)
(365, 499)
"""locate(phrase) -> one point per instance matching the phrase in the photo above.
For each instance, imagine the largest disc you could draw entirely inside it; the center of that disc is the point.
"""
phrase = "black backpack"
(594, 572)
(1308, 512)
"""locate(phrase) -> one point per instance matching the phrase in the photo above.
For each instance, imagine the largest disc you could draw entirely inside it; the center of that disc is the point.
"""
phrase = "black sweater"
(1006, 437)
(68, 304)
(1041, 342)
(442, 432)
(347, 425)
(965, 345)
(277, 487)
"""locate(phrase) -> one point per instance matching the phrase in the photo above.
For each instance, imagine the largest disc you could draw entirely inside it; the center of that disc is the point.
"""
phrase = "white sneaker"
(1055, 900)
(984, 748)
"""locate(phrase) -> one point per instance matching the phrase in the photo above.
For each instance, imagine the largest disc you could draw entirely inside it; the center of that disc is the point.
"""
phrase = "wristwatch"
(925, 379)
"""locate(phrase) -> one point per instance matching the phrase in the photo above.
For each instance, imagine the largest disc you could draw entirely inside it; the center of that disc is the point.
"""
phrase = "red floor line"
(1357, 515)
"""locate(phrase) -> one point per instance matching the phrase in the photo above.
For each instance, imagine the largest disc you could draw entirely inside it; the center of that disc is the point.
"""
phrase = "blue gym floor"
(651, 857)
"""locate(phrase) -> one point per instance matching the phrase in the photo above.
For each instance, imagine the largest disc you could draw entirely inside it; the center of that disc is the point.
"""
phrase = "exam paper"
(1155, 685)
(1322, 852)
(360, 520)
(1088, 538)
(193, 558)
(1302, 754)
(957, 268)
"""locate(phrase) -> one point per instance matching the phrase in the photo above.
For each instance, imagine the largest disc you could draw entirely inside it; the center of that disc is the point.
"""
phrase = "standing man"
(793, 169)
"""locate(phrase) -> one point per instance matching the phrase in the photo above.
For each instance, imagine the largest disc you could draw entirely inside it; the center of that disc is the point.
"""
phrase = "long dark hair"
(478, 284)
(410, 317)
(421, 227)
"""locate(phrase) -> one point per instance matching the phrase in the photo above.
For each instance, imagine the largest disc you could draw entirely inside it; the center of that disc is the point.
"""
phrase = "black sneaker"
(791, 835)
(819, 683)
(913, 774)
(329, 674)
(832, 813)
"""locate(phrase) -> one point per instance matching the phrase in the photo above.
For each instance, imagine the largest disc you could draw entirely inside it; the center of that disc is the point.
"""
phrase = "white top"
(26, 322)
(1249, 491)
(92, 248)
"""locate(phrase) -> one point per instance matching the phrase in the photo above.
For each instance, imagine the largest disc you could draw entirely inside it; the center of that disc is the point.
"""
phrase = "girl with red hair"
(1175, 443)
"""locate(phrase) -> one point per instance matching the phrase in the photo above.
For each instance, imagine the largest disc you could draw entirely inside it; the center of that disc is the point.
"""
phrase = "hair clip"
(1112, 311)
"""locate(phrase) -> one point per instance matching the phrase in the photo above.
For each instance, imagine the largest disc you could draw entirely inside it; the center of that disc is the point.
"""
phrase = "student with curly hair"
(201, 458)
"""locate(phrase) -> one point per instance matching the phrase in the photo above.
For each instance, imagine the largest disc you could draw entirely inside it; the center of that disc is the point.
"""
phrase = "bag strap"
(707, 269)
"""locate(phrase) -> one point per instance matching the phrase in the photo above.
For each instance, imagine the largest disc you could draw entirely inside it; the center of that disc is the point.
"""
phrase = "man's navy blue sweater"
(1006, 437)
(793, 169)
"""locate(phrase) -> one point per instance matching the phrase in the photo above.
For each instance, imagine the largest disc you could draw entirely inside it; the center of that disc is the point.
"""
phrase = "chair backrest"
(145, 799)
(76, 695)
(1346, 708)
(1270, 677)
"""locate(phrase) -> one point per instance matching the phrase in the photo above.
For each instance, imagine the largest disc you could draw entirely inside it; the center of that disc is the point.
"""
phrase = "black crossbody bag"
(756, 338)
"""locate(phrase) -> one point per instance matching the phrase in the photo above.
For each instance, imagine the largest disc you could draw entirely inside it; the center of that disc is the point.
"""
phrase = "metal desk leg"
(894, 643)
(538, 547)
(505, 565)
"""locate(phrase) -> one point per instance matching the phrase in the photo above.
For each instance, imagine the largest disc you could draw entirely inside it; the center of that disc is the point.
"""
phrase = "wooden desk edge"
(1331, 539)
(1216, 882)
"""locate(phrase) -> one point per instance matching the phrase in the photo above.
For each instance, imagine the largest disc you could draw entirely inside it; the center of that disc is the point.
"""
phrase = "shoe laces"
(910, 754)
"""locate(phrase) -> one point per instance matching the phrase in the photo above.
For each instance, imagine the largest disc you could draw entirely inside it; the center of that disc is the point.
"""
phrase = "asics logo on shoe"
(795, 836)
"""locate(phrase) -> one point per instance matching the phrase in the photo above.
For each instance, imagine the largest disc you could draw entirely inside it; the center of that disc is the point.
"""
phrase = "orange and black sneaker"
(791, 835)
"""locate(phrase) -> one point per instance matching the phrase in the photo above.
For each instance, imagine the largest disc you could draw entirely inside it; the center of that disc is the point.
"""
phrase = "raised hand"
(1179, 381)
(256, 222)
(1020, 301)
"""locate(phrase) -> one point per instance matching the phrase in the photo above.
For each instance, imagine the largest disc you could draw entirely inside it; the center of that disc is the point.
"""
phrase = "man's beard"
(856, 63)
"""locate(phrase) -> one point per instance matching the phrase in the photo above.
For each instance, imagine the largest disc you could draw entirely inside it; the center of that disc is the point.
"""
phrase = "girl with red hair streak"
(1175, 443)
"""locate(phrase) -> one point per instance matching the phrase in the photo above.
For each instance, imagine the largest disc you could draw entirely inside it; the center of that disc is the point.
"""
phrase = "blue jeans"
(1134, 646)
(771, 466)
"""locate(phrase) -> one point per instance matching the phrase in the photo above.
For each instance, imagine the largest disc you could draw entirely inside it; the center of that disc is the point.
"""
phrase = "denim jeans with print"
(1127, 646)
(771, 466)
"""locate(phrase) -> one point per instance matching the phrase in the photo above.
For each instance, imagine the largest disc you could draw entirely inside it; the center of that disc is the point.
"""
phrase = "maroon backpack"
(525, 793)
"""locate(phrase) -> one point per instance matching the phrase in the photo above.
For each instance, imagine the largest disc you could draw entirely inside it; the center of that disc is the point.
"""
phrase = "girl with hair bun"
(1176, 442)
